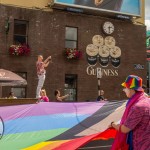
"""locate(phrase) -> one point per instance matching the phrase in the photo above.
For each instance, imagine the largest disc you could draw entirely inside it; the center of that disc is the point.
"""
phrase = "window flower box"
(19, 50)
(73, 53)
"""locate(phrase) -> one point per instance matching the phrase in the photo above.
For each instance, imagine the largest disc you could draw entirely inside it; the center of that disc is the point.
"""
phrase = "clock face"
(92, 50)
(115, 52)
(110, 41)
(108, 27)
(98, 40)
(104, 51)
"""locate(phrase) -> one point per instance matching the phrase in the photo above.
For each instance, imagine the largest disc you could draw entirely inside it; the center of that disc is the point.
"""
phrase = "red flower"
(73, 53)
(19, 50)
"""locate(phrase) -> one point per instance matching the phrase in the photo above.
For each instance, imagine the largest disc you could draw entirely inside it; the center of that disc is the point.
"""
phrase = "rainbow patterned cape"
(58, 126)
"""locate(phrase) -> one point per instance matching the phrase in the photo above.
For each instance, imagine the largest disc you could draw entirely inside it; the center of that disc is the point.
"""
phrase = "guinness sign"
(92, 70)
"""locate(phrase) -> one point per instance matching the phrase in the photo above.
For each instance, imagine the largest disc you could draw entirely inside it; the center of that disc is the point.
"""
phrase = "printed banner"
(129, 7)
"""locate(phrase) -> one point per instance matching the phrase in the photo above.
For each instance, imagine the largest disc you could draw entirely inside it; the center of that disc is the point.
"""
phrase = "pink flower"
(19, 50)
(73, 53)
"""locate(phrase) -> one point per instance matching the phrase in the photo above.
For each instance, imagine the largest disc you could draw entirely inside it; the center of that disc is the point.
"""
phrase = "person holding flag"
(133, 131)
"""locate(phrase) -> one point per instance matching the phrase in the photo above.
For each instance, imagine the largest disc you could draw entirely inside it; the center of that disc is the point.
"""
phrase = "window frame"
(75, 77)
(71, 40)
(23, 86)
(21, 35)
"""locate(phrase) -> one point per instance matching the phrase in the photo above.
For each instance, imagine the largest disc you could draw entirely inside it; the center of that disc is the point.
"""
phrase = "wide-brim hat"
(133, 82)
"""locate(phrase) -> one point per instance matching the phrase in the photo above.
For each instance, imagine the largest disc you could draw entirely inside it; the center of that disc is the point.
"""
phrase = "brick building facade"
(46, 35)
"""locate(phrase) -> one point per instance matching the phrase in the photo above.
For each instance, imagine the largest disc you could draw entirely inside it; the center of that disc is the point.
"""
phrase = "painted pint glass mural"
(103, 50)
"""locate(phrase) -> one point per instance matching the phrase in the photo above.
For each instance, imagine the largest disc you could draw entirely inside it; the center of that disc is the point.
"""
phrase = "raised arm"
(47, 61)
(60, 98)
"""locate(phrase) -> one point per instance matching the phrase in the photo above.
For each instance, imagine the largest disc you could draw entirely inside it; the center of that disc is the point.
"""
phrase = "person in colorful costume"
(133, 132)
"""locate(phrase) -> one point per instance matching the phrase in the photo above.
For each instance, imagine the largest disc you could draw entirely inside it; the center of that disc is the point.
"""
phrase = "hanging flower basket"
(19, 50)
(72, 53)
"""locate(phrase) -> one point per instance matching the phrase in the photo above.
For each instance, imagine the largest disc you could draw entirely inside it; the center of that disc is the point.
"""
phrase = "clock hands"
(110, 29)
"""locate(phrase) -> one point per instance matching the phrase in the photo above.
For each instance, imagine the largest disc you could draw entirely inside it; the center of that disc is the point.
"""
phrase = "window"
(20, 92)
(20, 32)
(71, 87)
(148, 55)
(71, 37)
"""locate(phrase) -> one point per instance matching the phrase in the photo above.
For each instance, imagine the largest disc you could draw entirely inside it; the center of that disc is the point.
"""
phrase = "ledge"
(18, 101)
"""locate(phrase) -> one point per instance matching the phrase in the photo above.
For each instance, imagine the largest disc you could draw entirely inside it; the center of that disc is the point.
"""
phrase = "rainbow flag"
(58, 126)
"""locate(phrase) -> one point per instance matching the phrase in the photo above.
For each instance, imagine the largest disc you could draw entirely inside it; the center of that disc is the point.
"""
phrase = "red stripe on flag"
(79, 142)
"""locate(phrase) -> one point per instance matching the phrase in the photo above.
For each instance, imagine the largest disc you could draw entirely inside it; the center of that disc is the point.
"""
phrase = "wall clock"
(104, 51)
(92, 50)
(115, 52)
(108, 27)
(98, 40)
(110, 41)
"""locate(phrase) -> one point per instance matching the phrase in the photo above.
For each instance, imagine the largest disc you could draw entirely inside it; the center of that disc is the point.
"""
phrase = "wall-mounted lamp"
(7, 23)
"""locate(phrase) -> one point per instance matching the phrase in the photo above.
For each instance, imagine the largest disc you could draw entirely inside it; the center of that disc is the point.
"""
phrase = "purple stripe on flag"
(14, 112)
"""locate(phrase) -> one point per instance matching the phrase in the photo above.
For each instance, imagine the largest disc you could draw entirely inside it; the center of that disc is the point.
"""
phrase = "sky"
(147, 14)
